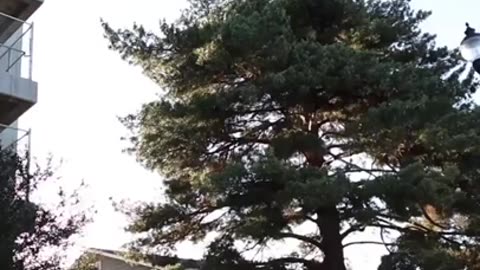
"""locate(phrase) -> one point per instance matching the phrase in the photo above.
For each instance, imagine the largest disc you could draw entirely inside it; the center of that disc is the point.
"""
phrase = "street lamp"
(470, 47)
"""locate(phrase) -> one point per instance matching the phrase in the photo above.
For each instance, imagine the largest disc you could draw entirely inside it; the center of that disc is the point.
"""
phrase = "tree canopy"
(32, 235)
(339, 114)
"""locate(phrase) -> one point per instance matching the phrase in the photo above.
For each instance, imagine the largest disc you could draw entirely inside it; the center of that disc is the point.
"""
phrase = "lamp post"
(470, 47)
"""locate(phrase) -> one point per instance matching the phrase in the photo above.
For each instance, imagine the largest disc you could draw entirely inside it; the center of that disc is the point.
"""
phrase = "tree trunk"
(329, 224)
(6, 256)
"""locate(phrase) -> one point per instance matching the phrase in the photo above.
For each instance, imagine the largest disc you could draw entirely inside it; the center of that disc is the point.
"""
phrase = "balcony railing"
(12, 143)
(16, 51)
(21, 146)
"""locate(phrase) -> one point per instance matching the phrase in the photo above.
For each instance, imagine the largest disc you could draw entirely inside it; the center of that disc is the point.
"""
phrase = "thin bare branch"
(352, 229)
(369, 243)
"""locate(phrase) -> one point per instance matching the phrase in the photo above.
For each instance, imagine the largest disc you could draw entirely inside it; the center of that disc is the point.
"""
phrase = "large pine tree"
(337, 115)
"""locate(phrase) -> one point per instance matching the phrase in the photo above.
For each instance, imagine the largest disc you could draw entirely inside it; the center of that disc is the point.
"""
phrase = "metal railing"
(24, 133)
(15, 50)
(21, 144)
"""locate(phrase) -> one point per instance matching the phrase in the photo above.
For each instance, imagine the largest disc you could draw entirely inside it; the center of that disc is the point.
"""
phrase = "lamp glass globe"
(470, 48)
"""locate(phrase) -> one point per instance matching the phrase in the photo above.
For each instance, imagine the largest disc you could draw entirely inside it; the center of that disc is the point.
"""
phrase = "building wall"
(9, 136)
(113, 264)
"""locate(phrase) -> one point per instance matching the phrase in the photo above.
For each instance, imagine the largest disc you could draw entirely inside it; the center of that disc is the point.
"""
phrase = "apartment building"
(18, 90)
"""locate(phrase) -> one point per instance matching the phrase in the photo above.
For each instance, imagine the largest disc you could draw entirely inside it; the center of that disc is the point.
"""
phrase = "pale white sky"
(83, 87)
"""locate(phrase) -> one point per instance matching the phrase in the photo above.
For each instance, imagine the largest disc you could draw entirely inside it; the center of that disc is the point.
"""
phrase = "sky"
(84, 87)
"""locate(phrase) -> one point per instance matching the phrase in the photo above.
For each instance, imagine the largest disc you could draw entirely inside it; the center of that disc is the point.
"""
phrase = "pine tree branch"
(331, 134)
(370, 170)
(302, 238)
(430, 219)
(415, 226)
(389, 227)
(352, 229)
(309, 218)
(357, 167)
(244, 140)
(254, 111)
(254, 246)
(221, 149)
(460, 234)
(340, 145)
(382, 237)
(383, 218)
(369, 243)
(409, 225)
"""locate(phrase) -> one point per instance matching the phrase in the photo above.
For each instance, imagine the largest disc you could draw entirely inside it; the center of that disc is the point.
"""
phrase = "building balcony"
(19, 11)
(17, 95)
(18, 92)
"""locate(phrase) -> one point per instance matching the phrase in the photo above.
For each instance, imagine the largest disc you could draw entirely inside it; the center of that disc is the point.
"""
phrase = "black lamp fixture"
(470, 47)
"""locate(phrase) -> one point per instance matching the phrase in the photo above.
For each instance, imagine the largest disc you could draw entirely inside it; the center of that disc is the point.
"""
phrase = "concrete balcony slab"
(17, 95)
(21, 10)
